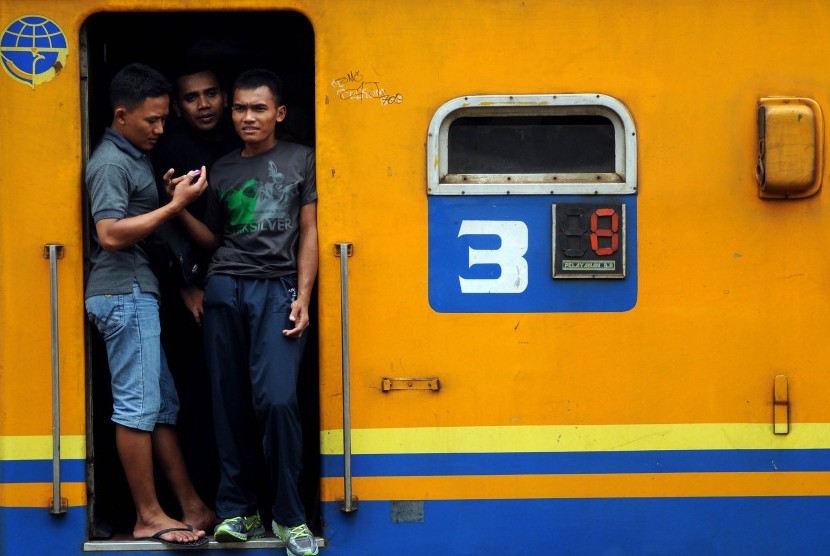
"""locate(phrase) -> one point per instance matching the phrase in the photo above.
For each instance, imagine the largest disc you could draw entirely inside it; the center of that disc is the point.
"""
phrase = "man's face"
(255, 115)
(201, 101)
(143, 125)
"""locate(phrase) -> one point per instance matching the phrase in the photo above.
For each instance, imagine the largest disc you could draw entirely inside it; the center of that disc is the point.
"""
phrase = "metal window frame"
(620, 182)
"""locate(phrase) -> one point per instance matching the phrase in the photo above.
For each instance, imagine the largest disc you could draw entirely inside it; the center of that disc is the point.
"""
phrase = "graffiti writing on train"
(353, 86)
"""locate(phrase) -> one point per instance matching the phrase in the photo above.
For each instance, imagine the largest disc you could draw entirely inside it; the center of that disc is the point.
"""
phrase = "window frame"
(620, 182)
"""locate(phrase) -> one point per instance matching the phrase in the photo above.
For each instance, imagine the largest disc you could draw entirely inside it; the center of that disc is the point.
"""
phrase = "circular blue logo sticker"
(33, 49)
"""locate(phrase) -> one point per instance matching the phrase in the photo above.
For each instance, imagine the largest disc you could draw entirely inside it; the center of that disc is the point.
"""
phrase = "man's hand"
(299, 316)
(186, 188)
(192, 298)
(115, 234)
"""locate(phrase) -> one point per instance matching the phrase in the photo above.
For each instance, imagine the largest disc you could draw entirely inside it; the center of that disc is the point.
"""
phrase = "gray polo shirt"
(121, 184)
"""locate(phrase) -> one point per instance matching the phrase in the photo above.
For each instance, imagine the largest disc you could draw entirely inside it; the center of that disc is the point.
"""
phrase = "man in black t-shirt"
(262, 219)
(201, 134)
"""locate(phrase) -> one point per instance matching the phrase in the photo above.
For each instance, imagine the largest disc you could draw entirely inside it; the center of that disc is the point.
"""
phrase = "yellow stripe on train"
(576, 438)
(40, 447)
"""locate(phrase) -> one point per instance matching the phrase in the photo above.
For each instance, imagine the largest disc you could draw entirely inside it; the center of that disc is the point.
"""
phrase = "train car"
(571, 293)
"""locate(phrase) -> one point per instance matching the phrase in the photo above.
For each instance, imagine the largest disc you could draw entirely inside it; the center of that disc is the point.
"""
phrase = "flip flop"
(157, 537)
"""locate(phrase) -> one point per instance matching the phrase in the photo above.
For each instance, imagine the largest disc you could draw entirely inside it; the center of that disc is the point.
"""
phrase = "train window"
(528, 144)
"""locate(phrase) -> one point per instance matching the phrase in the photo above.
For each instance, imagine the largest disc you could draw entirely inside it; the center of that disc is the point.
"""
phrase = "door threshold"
(133, 545)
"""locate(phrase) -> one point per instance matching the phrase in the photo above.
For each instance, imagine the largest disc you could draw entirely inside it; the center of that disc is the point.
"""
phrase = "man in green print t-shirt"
(262, 219)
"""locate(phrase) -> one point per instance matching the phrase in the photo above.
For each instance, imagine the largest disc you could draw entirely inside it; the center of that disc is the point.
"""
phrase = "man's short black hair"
(192, 68)
(136, 82)
(259, 77)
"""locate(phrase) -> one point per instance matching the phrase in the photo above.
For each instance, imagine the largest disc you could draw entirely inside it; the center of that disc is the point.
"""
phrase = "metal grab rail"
(54, 251)
(349, 502)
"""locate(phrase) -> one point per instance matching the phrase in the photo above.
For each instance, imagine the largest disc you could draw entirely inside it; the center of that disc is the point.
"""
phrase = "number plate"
(588, 240)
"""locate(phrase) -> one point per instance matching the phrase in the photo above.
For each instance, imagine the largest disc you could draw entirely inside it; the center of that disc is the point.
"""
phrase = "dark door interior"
(232, 42)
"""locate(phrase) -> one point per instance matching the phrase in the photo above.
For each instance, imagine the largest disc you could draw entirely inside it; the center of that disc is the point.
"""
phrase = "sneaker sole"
(227, 536)
(288, 550)
(289, 553)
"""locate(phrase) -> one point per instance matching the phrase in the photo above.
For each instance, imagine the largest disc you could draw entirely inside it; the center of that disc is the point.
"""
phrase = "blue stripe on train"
(759, 526)
(596, 527)
(25, 531)
(35, 532)
(534, 463)
(40, 471)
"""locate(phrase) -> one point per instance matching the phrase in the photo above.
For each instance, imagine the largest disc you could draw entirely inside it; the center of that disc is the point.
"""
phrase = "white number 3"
(509, 256)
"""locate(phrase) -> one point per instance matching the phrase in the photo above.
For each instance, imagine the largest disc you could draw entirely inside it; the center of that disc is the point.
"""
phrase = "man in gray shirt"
(122, 301)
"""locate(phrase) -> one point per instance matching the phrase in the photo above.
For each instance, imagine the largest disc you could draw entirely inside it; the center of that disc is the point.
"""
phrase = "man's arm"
(193, 299)
(118, 233)
(196, 229)
(307, 262)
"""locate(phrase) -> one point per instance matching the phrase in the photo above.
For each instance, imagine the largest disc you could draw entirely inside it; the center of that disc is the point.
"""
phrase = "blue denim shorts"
(143, 391)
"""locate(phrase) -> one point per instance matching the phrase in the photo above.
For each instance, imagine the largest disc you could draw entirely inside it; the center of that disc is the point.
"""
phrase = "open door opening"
(234, 41)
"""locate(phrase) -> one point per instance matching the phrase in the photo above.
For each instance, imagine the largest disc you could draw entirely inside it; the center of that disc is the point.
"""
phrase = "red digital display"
(588, 240)
(611, 231)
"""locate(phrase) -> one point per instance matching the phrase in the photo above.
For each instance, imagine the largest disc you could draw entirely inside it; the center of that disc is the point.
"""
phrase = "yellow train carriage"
(571, 294)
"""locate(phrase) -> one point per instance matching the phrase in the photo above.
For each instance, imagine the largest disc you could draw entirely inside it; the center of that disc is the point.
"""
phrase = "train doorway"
(282, 41)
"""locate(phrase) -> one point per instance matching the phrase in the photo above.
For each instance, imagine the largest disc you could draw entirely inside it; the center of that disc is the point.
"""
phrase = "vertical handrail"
(54, 251)
(344, 250)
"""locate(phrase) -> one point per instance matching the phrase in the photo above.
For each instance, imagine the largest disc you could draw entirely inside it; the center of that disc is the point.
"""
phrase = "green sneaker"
(299, 541)
(239, 529)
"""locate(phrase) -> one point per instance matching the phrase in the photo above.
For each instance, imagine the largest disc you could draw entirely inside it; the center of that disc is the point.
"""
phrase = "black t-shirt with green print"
(254, 203)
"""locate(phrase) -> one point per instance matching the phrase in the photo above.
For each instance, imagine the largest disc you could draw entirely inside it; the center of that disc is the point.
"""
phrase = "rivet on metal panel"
(58, 247)
(349, 249)
(430, 383)
(351, 506)
(62, 509)
(781, 406)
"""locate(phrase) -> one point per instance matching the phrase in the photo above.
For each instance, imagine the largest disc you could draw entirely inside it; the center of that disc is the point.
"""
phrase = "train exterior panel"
(673, 402)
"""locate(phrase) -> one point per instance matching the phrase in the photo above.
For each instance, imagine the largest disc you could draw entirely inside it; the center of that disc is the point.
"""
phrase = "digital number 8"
(597, 232)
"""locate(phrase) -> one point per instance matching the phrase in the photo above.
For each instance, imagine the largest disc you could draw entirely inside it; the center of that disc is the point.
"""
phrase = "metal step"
(131, 545)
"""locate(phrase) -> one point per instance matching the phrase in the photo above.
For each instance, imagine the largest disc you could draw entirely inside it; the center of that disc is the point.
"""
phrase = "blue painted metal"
(449, 257)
